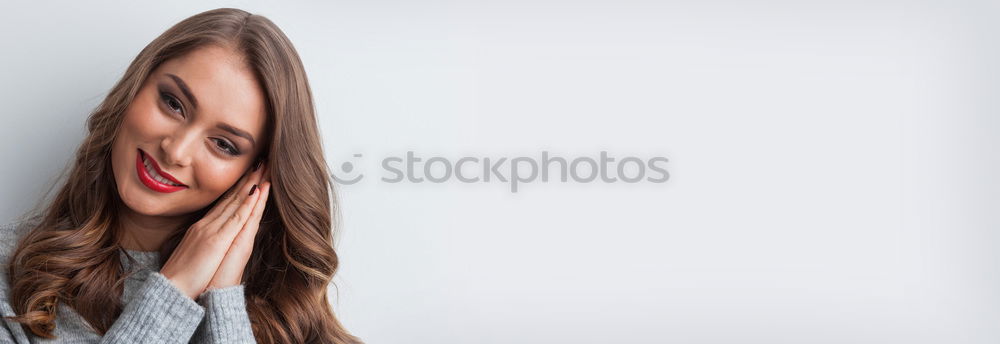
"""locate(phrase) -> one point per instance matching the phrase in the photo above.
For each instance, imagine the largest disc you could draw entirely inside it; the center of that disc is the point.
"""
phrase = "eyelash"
(227, 148)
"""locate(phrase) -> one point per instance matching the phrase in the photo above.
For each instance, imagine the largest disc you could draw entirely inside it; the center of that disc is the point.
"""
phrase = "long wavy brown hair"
(73, 256)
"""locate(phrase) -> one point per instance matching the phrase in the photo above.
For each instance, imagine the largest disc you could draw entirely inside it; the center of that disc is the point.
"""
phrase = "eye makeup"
(170, 101)
(175, 105)
(227, 147)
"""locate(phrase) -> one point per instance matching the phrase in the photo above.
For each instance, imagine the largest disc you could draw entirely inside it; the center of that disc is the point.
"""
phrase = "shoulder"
(10, 235)
(12, 232)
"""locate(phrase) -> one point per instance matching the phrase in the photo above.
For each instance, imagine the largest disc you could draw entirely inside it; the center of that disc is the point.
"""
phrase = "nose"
(178, 148)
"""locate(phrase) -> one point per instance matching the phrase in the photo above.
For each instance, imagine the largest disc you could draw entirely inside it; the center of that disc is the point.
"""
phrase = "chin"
(143, 206)
(147, 205)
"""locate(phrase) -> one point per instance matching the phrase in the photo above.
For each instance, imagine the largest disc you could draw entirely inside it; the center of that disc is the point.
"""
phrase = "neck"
(146, 232)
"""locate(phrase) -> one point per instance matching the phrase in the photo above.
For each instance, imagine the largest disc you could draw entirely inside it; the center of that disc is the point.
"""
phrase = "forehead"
(225, 88)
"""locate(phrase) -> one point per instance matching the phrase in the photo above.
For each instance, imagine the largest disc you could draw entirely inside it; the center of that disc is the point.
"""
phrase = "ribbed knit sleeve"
(155, 310)
(226, 318)
(159, 313)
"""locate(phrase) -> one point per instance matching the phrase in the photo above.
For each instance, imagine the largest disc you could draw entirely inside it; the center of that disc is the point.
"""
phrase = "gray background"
(833, 163)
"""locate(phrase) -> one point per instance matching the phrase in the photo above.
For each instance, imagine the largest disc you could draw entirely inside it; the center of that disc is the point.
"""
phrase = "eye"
(171, 102)
(227, 147)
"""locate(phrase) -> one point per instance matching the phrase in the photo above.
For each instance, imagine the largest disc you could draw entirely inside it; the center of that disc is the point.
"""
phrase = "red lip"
(148, 180)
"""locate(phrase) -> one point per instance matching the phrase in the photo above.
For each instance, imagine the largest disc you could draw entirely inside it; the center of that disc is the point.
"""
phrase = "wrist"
(182, 286)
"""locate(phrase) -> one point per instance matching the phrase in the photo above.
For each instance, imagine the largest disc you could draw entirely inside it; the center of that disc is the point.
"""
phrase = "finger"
(249, 178)
(233, 222)
(244, 240)
(240, 193)
(247, 234)
(226, 198)
(249, 230)
(231, 269)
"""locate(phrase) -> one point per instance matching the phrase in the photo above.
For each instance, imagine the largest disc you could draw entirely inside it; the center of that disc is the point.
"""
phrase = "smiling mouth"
(153, 177)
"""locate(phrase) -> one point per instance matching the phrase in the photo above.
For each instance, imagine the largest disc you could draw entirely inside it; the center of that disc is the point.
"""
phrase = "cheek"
(215, 177)
(141, 125)
(144, 121)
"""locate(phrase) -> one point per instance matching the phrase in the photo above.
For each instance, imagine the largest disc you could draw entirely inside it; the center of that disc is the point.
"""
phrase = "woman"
(166, 229)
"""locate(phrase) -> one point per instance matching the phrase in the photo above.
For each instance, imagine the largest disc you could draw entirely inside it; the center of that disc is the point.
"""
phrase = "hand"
(205, 246)
(230, 271)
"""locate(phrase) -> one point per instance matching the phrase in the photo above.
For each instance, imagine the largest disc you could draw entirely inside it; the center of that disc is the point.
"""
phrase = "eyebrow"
(237, 132)
(194, 102)
(184, 89)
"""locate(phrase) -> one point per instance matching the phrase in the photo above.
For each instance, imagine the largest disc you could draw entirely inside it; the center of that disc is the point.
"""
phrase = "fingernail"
(252, 190)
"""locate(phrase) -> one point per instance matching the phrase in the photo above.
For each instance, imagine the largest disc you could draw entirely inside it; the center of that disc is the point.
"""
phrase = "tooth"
(166, 181)
(157, 176)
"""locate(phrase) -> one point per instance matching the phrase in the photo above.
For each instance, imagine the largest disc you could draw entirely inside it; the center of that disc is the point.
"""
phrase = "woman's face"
(200, 119)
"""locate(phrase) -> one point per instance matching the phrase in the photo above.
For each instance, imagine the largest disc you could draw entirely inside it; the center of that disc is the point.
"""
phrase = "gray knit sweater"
(154, 310)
